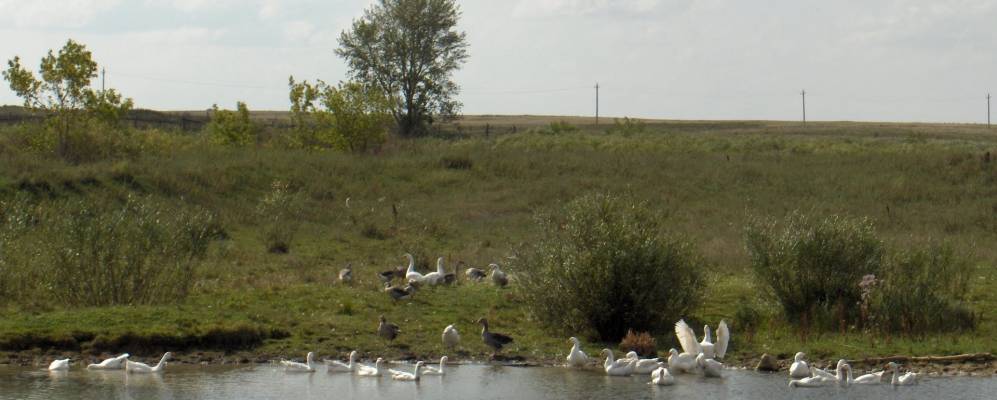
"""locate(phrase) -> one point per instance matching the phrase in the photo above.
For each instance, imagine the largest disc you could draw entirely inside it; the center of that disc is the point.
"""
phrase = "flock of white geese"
(116, 363)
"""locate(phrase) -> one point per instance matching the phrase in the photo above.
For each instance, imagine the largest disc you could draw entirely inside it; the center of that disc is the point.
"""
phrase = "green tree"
(232, 127)
(351, 116)
(63, 93)
(409, 49)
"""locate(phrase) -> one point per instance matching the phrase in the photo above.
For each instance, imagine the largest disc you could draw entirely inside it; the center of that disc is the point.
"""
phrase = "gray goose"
(346, 274)
(391, 274)
(387, 330)
(475, 274)
(398, 292)
(494, 340)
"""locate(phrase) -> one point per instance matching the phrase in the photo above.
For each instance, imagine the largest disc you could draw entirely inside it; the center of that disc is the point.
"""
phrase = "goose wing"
(723, 337)
(687, 338)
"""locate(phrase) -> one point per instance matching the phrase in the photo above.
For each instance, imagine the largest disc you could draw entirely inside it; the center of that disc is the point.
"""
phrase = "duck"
(687, 338)
(411, 274)
(436, 371)
(799, 369)
(140, 368)
(59, 365)
(406, 376)
(346, 274)
(386, 329)
(494, 340)
(711, 368)
(110, 363)
(906, 379)
(681, 362)
(337, 366)
(661, 376)
(621, 367)
(475, 274)
(642, 366)
(576, 357)
(451, 338)
(436, 277)
(376, 370)
(499, 278)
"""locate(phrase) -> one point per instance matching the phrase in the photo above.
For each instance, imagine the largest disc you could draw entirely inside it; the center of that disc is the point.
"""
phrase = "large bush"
(813, 266)
(603, 266)
(349, 117)
(232, 127)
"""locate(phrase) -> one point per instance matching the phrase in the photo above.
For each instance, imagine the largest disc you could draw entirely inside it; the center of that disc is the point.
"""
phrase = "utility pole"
(597, 103)
(804, 94)
(103, 73)
(988, 110)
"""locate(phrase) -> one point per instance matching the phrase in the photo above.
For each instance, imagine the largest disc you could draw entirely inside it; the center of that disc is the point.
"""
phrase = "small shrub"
(459, 163)
(556, 128)
(232, 127)
(627, 126)
(642, 343)
(602, 266)
(279, 213)
(813, 266)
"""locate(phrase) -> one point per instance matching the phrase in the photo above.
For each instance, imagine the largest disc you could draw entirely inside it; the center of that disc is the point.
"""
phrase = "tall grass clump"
(15, 219)
(602, 266)
(137, 252)
(814, 266)
(278, 211)
(922, 291)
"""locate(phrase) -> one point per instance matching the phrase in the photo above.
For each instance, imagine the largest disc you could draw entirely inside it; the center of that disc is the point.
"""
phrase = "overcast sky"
(890, 60)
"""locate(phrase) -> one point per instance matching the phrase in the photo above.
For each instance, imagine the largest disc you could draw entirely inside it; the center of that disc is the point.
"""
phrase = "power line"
(196, 83)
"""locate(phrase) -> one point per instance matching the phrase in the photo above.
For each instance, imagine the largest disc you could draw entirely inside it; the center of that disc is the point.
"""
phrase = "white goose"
(873, 378)
(687, 338)
(338, 366)
(375, 371)
(621, 367)
(110, 363)
(840, 376)
(799, 369)
(437, 371)
(406, 376)
(661, 376)
(59, 365)
(683, 362)
(576, 357)
(642, 365)
(140, 368)
(451, 338)
(811, 382)
(711, 368)
(435, 277)
(906, 379)
(411, 275)
(292, 366)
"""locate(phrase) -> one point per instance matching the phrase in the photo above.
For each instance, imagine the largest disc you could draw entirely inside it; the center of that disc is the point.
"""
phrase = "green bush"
(602, 266)
(627, 126)
(232, 127)
(814, 266)
(279, 212)
(922, 291)
(556, 128)
(350, 116)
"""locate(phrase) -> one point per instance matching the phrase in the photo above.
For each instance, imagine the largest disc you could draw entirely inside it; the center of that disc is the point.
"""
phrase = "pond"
(462, 382)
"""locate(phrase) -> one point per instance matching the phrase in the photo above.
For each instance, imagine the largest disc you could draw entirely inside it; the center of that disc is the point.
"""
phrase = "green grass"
(915, 182)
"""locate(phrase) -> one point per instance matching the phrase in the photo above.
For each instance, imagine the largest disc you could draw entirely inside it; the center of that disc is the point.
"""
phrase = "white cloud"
(53, 14)
(549, 8)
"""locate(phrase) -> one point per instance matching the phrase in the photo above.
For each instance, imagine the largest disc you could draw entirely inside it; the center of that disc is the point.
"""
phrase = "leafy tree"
(409, 49)
(232, 127)
(63, 92)
(351, 116)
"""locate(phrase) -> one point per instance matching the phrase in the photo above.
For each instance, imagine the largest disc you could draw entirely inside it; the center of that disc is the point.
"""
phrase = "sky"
(858, 60)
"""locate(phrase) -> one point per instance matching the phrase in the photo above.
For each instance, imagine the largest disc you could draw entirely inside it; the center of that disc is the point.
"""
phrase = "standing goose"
(435, 277)
(906, 379)
(621, 367)
(451, 338)
(410, 377)
(450, 278)
(337, 366)
(661, 376)
(110, 363)
(683, 362)
(434, 371)
(140, 368)
(475, 274)
(59, 365)
(642, 366)
(499, 278)
(576, 357)
(346, 274)
(376, 370)
(711, 368)
(494, 340)
(386, 329)
(799, 369)
(411, 274)
(398, 292)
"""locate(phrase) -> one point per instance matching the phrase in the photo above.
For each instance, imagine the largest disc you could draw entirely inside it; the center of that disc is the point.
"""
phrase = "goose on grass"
(494, 340)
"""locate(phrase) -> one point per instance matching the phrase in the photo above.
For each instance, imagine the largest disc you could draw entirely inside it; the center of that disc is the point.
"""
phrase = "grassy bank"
(471, 197)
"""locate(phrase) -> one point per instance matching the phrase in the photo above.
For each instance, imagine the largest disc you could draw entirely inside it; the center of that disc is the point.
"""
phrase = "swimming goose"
(59, 365)
(494, 340)
(435, 277)
(376, 370)
(337, 366)
(799, 369)
(451, 338)
(140, 368)
(475, 274)
(840, 376)
(346, 274)
(661, 376)
(642, 366)
(810, 382)
(711, 368)
(683, 362)
(906, 379)
(621, 367)
(411, 274)
(386, 329)
(435, 371)
(405, 376)
(873, 378)
(110, 363)
(577, 357)
(499, 278)
(687, 338)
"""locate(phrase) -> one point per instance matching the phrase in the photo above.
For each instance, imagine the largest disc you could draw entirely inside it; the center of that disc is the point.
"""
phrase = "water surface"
(461, 382)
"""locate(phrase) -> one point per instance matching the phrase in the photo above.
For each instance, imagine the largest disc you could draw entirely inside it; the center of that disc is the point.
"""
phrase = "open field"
(917, 182)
